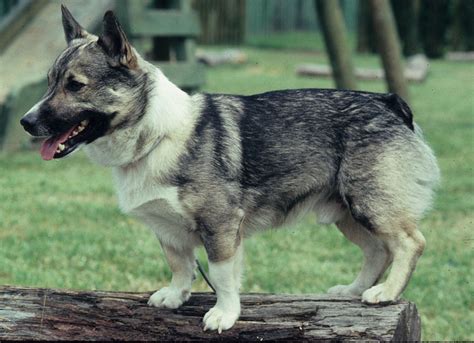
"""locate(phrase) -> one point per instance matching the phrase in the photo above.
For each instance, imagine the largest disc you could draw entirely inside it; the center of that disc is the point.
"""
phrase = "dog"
(211, 169)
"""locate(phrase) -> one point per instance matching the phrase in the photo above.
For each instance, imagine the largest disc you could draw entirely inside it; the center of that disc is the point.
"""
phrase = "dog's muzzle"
(29, 122)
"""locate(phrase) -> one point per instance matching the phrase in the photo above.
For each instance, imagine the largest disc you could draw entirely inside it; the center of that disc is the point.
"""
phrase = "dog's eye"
(74, 86)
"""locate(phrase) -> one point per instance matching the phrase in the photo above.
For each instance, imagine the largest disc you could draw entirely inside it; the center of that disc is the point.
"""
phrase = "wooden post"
(388, 46)
(334, 32)
(34, 314)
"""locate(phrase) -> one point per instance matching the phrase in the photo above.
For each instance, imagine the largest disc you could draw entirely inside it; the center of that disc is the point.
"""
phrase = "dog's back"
(280, 150)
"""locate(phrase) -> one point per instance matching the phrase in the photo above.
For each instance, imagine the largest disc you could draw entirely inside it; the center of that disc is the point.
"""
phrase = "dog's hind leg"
(400, 192)
(182, 264)
(238, 266)
(390, 194)
(406, 244)
(376, 257)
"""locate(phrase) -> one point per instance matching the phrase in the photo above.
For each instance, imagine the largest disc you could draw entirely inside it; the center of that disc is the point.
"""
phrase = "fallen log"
(35, 313)
(416, 70)
(214, 58)
(460, 56)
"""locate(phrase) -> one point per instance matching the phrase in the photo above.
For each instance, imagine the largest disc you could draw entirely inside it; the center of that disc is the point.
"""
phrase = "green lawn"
(60, 225)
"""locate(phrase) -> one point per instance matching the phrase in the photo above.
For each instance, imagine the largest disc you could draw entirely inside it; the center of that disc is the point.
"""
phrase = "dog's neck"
(168, 115)
(160, 136)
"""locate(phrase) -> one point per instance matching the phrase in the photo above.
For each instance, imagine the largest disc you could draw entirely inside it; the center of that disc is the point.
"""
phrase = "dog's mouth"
(63, 144)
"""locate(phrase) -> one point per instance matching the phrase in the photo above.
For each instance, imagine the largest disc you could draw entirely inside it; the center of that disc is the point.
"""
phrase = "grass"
(292, 40)
(60, 225)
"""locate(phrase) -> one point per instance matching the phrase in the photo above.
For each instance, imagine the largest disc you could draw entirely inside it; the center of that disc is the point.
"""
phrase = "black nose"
(28, 122)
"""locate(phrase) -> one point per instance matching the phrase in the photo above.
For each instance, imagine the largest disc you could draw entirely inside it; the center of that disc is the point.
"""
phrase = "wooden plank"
(183, 74)
(170, 23)
(35, 313)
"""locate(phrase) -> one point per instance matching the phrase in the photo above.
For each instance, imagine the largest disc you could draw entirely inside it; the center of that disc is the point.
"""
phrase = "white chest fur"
(156, 205)
(170, 116)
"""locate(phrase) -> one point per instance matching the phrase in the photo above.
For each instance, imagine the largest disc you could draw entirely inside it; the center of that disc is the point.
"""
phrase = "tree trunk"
(434, 20)
(29, 313)
(334, 32)
(365, 33)
(462, 33)
(406, 14)
(389, 47)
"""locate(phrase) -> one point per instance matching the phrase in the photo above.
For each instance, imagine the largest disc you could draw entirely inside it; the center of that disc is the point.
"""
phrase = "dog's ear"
(115, 43)
(72, 29)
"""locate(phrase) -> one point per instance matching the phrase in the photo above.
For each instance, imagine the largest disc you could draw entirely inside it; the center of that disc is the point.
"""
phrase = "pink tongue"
(50, 145)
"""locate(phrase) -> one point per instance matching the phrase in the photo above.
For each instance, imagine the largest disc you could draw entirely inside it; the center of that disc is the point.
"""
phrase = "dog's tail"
(401, 108)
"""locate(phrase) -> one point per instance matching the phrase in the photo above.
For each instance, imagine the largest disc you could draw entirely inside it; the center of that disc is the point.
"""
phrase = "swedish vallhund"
(211, 169)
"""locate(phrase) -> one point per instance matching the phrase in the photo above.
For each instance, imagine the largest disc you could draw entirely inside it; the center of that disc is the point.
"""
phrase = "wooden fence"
(221, 21)
(164, 31)
(236, 21)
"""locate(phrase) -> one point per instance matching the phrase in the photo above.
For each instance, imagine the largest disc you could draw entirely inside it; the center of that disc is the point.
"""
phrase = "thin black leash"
(201, 269)
(204, 275)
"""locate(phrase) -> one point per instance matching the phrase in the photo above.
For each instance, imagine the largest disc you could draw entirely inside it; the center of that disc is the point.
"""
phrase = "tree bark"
(29, 313)
(388, 46)
(334, 32)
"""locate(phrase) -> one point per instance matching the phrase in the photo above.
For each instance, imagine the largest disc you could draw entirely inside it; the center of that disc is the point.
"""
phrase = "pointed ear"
(115, 43)
(72, 29)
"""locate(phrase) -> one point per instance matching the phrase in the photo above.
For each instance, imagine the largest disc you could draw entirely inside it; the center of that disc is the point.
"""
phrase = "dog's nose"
(28, 122)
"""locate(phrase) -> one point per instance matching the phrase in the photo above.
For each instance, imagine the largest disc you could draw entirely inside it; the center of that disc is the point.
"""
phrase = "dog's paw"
(378, 294)
(217, 319)
(345, 290)
(169, 297)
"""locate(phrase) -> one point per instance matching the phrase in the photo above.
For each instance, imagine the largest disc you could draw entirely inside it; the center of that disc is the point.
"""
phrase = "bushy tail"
(427, 160)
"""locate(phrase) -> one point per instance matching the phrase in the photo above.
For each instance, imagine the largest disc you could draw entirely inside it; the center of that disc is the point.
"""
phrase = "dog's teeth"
(80, 128)
(61, 147)
(75, 132)
(84, 122)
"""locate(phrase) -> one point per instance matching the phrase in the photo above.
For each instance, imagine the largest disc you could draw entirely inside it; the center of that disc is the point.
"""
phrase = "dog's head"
(91, 89)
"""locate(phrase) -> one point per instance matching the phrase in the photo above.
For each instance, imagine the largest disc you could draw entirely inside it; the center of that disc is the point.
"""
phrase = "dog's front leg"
(224, 249)
(182, 264)
(224, 279)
